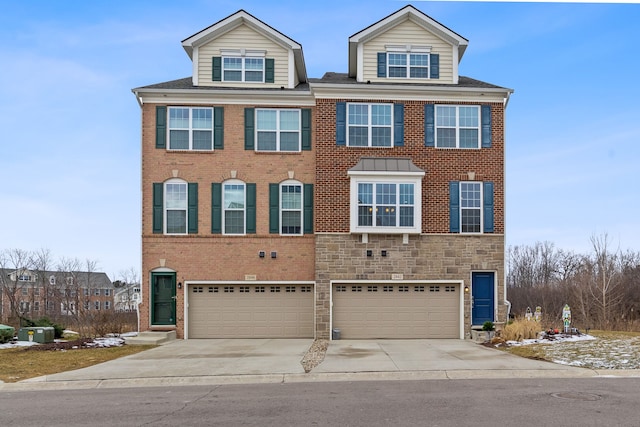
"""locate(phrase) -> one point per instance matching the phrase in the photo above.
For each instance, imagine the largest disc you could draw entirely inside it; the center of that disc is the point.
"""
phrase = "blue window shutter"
(306, 129)
(398, 125)
(434, 71)
(249, 128)
(161, 127)
(218, 128)
(382, 64)
(269, 70)
(308, 208)
(274, 208)
(192, 207)
(216, 208)
(429, 125)
(486, 125)
(341, 123)
(488, 207)
(251, 209)
(454, 206)
(217, 69)
(158, 207)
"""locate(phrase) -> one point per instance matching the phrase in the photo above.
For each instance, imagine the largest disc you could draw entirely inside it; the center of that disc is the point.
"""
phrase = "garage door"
(250, 311)
(397, 311)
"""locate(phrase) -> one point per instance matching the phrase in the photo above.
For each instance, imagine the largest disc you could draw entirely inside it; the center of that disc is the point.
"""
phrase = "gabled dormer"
(406, 47)
(242, 51)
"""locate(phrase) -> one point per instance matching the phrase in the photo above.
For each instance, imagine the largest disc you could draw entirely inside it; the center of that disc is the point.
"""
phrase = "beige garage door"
(397, 311)
(250, 311)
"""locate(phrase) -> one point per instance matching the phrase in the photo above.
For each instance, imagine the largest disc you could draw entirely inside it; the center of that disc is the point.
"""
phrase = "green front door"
(163, 298)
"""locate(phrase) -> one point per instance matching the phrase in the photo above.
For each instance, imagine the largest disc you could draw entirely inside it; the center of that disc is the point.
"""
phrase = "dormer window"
(243, 65)
(408, 62)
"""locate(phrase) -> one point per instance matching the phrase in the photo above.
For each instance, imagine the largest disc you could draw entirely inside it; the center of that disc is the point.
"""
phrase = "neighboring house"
(35, 294)
(127, 297)
(280, 206)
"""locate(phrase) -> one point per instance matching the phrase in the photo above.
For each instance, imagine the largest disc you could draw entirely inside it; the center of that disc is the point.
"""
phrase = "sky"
(70, 141)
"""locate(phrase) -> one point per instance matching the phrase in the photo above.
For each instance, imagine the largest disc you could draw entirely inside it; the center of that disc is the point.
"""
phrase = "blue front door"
(483, 302)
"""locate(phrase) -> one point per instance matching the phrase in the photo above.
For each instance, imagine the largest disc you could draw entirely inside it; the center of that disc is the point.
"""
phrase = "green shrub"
(6, 333)
(488, 326)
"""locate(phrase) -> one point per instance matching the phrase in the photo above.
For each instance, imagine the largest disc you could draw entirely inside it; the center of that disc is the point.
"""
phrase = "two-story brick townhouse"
(228, 177)
(409, 202)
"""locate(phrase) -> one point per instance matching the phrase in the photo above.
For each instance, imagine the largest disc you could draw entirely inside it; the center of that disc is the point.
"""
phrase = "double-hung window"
(190, 128)
(278, 130)
(408, 65)
(471, 207)
(457, 126)
(234, 202)
(242, 69)
(291, 208)
(175, 206)
(369, 125)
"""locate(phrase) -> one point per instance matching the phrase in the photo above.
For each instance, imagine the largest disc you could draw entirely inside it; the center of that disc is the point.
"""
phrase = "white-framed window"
(52, 280)
(408, 65)
(457, 126)
(96, 292)
(36, 306)
(369, 125)
(243, 69)
(85, 292)
(191, 128)
(470, 207)
(25, 278)
(175, 207)
(87, 306)
(386, 204)
(24, 306)
(278, 129)
(107, 292)
(25, 291)
(107, 305)
(291, 208)
(96, 305)
(234, 204)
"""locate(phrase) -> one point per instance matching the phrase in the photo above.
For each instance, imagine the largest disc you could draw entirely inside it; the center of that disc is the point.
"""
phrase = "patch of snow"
(14, 344)
(557, 339)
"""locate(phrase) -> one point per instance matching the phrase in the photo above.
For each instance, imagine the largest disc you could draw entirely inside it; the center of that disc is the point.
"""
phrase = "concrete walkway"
(240, 361)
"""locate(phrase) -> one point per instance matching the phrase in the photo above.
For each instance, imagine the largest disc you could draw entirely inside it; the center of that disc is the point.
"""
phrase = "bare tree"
(605, 279)
(15, 281)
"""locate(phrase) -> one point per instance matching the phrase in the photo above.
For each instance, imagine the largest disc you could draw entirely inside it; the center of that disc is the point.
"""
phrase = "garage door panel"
(250, 311)
(397, 311)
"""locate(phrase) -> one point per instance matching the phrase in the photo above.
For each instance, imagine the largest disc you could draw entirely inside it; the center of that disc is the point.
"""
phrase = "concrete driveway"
(225, 361)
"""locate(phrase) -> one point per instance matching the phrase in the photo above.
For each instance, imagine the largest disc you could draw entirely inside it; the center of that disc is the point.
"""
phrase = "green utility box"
(6, 333)
(39, 334)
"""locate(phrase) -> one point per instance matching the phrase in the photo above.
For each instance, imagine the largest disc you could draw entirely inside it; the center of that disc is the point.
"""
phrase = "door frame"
(152, 314)
(495, 294)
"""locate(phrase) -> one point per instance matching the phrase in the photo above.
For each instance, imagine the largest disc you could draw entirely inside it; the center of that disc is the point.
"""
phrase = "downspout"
(504, 261)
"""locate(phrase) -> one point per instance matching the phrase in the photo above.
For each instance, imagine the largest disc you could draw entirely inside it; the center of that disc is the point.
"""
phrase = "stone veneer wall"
(425, 257)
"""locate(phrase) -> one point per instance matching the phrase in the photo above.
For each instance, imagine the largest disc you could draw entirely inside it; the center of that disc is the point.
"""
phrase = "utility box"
(335, 334)
(39, 334)
(6, 333)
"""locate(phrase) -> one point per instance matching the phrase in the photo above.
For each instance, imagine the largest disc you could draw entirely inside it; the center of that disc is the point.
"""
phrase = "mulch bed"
(64, 345)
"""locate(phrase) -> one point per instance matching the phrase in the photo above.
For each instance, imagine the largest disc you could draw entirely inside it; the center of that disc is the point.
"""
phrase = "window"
(107, 292)
(234, 208)
(190, 128)
(96, 292)
(52, 280)
(369, 125)
(107, 305)
(291, 208)
(457, 126)
(85, 292)
(25, 278)
(278, 130)
(471, 207)
(386, 204)
(24, 306)
(386, 196)
(96, 305)
(36, 306)
(175, 207)
(243, 69)
(411, 65)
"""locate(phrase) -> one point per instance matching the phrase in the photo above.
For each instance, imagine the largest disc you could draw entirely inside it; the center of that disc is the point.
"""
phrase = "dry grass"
(521, 330)
(17, 364)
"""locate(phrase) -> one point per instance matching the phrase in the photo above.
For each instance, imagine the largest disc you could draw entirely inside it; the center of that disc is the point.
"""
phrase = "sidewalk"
(239, 361)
